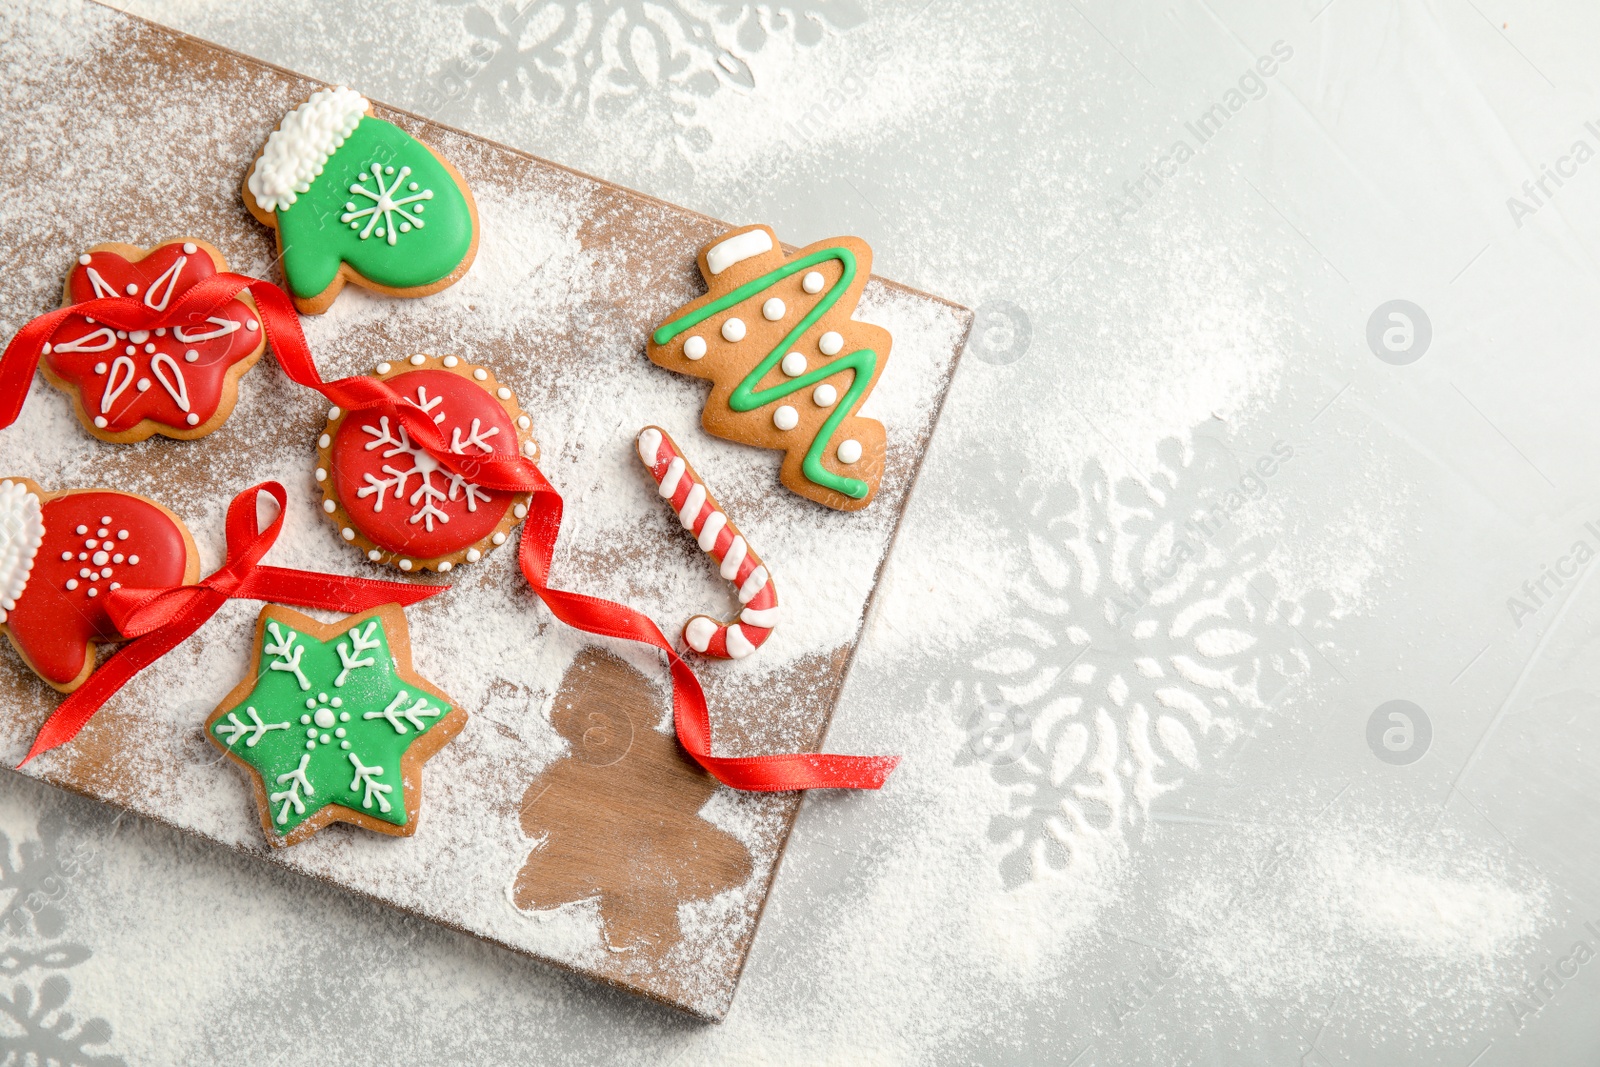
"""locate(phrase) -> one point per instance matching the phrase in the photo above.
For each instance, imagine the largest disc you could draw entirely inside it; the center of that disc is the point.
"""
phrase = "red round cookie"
(393, 496)
(180, 379)
(94, 541)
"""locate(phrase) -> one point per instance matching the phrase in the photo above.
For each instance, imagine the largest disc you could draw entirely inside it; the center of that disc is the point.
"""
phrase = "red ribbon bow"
(159, 619)
(507, 473)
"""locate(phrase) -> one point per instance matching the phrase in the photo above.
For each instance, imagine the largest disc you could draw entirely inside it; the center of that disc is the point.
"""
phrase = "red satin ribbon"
(282, 323)
(159, 619)
(766, 774)
(507, 473)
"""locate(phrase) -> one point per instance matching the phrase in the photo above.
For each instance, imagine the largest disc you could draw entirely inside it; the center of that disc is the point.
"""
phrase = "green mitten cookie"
(355, 198)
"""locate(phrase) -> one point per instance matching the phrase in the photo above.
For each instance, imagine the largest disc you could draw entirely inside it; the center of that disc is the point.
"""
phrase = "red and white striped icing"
(719, 538)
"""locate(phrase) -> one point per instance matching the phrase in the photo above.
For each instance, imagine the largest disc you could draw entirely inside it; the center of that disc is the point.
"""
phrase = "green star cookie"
(333, 724)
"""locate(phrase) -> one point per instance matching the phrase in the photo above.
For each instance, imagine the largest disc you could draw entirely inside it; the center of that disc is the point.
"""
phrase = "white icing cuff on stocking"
(297, 150)
(21, 532)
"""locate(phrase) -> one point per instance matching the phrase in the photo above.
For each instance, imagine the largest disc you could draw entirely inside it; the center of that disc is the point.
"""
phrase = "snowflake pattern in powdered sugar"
(395, 442)
(34, 1025)
(1143, 639)
(661, 60)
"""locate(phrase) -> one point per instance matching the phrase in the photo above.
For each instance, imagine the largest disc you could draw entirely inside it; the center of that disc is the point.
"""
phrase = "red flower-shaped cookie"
(60, 553)
(180, 379)
(393, 500)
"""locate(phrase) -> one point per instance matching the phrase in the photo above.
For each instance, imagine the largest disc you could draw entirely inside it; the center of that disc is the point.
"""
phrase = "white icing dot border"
(333, 507)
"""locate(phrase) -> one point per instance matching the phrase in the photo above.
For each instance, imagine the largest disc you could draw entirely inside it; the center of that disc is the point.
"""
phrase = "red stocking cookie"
(789, 366)
(61, 552)
(392, 500)
(179, 380)
(719, 538)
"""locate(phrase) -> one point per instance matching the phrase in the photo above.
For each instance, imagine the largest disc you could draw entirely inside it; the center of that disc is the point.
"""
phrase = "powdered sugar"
(1232, 918)
(1428, 911)
(561, 316)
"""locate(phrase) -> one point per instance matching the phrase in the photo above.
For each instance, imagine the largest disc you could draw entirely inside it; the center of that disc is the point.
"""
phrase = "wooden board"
(563, 822)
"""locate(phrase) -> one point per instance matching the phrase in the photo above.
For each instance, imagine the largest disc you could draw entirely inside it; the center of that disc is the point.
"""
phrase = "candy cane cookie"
(719, 538)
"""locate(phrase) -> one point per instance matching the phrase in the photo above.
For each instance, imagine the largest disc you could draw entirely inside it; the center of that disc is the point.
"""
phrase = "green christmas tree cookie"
(333, 724)
(355, 198)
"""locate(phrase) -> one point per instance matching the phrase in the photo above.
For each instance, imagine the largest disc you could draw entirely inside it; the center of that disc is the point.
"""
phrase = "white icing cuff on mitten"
(297, 150)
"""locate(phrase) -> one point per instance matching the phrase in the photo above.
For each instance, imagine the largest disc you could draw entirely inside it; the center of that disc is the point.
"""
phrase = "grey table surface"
(1235, 639)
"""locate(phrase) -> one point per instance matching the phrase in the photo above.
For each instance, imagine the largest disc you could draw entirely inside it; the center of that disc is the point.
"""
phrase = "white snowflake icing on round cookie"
(396, 501)
(423, 467)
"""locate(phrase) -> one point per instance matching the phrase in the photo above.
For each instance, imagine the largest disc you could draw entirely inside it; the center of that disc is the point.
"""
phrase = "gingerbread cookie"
(179, 380)
(700, 514)
(789, 367)
(391, 499)
(60, 553)
(354, 198)
(333, 724)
